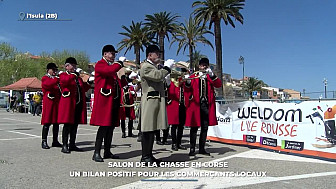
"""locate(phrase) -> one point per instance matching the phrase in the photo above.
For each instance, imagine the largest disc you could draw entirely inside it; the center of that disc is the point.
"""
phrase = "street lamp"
(241, 61)
(325, 81)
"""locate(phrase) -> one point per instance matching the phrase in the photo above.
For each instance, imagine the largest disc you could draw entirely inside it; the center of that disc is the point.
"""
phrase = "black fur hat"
(204, 61)
(71, 60)
(108, 48)
(151, 49)
(51, 66)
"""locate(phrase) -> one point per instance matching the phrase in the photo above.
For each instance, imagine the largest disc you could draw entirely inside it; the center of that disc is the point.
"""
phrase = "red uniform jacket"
(51, 98)
(67, 104)
(131, 97)
(104, 93)
(193, 116)
(173, 103)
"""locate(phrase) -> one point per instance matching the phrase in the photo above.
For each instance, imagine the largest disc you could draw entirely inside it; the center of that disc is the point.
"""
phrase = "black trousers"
(177, 130)
(204, 110)
(45, 130)
(72, 128)
(104, 133)
(123, 126)
(147, 143)
(164, 137)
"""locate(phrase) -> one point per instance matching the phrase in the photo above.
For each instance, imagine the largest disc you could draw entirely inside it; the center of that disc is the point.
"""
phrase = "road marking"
(5, 139)
(218, 182)
(23, 133)
(5, 124)
(21, 120)
(262, 154)
(86, 129)
(226, 182)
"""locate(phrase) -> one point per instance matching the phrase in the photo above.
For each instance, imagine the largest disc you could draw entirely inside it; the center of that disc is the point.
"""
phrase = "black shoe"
(148, 160)
(97, 158)
(192, 152)
(65, 149)
(165, 143)
(181, 147)
(75, 148)
(110, 155)
(123, 135)
(174, 147)
(56, 144)
(151, 161)
(130, 135)
(159, 143)
(204, 152)
(45, 144)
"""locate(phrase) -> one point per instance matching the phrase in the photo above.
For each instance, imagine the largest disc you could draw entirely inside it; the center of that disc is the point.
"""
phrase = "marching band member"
(72, 105)
(176, 109)
(51, 97)
(127, 110)
(153, 106)
(201, 107)
(107, 98)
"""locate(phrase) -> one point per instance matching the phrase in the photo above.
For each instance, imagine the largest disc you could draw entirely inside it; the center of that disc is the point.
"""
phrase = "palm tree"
(213, 11)
(252, 84)
(187, 35)
(136, 37)
(161, 24)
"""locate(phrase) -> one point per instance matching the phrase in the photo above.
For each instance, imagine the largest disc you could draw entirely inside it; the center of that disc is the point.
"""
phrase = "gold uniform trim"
(67, 94)
(104, 93)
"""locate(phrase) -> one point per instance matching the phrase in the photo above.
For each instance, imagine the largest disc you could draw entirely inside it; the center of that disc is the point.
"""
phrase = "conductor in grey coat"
(153, 107)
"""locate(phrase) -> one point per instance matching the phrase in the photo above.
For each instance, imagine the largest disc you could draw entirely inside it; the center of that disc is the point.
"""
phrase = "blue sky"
(285, 43)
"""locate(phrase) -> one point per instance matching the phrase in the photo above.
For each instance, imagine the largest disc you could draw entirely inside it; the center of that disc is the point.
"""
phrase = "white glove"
(91, 78)
(132, 92)
(202, 75)
(169, 63)
(133, 75)
(186, 76)
(93, 73)
(209, 71)
(122, 59)
(79, 70)
(167, 78)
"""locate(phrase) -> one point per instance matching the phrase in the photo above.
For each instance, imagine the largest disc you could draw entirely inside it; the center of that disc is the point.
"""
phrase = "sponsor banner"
(304, 128)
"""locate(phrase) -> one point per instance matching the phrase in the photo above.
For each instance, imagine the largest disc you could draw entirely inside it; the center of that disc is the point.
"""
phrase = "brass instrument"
(129, 68)
(123, 99)
(177, 73)
(198, 75)
(85, 76)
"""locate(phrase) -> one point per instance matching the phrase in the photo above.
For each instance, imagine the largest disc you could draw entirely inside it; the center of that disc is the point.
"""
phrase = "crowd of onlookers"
(30, 105)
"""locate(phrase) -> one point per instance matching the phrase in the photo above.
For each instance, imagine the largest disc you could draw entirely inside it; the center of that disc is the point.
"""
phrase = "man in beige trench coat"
(153, 105)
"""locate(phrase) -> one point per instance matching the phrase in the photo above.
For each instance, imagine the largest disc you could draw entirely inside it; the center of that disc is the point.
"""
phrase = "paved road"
(24, 164)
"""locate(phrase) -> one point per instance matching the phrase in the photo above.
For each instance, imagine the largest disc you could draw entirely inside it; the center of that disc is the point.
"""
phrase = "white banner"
(304, 128)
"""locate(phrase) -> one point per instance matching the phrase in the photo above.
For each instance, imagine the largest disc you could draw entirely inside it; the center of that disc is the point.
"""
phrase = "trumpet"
(87, 77)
